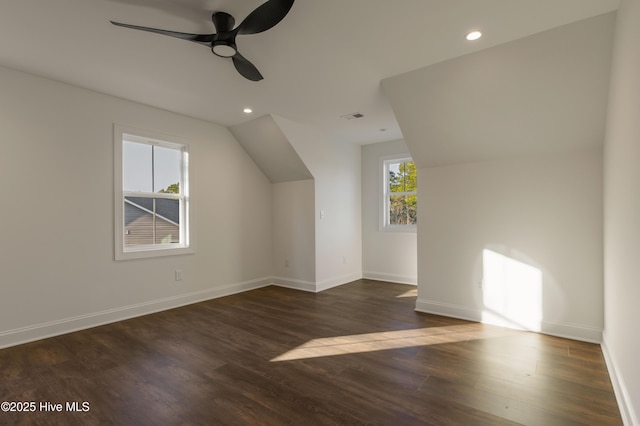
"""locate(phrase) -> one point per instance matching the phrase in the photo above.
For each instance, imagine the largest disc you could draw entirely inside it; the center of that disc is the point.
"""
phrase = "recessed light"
(247, 110)
(474, 35)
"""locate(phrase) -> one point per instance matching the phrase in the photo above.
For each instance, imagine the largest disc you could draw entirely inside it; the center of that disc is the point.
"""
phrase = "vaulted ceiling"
(324, 60)
(543, 94)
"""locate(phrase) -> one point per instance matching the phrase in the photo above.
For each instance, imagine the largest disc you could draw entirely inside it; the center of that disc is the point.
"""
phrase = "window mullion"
(153, 225)
(401, 193)
(166, 195)
(153, 168)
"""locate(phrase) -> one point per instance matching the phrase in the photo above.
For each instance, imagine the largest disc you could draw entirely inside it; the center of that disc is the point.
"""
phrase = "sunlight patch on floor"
(410, 293)
(370, 342)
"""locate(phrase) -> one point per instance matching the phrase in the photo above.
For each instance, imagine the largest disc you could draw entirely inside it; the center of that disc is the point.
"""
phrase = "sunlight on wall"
(369, 342)
(512, 292)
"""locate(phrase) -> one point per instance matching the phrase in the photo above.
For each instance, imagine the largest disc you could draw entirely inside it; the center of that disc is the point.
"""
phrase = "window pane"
(402, 177)
(167, 164)
(402, 210)
(136, 167)
(396, 180)
(408, 169)
(151, 221)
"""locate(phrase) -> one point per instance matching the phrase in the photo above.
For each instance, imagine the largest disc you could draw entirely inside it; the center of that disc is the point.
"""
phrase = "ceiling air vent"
(353, 116)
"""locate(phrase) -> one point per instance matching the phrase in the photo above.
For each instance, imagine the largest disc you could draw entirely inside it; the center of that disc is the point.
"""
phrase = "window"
(400, 194)
(151, 195)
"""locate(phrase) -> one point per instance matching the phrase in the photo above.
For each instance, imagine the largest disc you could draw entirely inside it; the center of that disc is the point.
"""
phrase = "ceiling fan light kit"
(223, 42)
(224, 49)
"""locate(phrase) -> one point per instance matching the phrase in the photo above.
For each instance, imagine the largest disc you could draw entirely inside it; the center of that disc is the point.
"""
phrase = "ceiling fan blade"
(198, 38)
(246, 68)
(265, 16)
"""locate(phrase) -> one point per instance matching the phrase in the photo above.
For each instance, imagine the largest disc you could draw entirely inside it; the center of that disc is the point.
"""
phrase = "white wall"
(387, 256)
(57, 257)
(294, 254)
(336, 171)
(544, 211)
(508, 142)
(622, 215)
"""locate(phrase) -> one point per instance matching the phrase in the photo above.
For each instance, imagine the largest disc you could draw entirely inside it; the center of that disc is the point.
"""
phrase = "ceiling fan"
(223, 43)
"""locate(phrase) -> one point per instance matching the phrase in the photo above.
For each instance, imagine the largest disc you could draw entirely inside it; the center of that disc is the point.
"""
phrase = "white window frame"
(385, 194)
(185, 246)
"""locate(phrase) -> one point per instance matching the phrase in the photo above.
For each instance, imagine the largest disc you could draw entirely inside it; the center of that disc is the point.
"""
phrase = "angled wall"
(270, 150)
(622, 215)
(545, 93)
(293, 192)
(316, 210)
(336, 171)
(509, 145)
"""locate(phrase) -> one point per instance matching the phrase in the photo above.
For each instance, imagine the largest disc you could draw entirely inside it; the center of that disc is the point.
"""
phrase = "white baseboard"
(572, 331)
(294, 284)
(68, 325)
(400, 279)
(81, 322)
(447, 310)
(316, 287)
(336, 281)
(627, 411)
(568, 331)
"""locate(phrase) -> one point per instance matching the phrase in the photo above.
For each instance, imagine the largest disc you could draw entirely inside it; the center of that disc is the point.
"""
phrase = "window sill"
(412, 229)
(146, 253)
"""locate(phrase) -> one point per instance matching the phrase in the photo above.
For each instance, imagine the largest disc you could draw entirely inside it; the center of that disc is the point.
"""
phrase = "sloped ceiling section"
(270, 150)
(540, 94)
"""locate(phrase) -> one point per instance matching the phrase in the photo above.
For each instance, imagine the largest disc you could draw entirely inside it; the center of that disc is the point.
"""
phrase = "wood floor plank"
(358, 354)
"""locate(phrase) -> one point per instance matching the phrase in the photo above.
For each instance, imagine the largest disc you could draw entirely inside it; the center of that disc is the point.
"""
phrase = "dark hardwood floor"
(356, 354)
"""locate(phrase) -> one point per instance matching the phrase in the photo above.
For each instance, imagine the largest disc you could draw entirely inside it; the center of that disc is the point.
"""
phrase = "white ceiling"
(325, 59)
(542, 94)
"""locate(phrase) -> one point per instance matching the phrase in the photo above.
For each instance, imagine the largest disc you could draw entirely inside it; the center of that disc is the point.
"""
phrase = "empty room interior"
(320, 212)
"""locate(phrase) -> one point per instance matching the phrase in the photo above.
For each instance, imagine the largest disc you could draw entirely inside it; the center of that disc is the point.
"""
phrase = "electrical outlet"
(178, 274)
